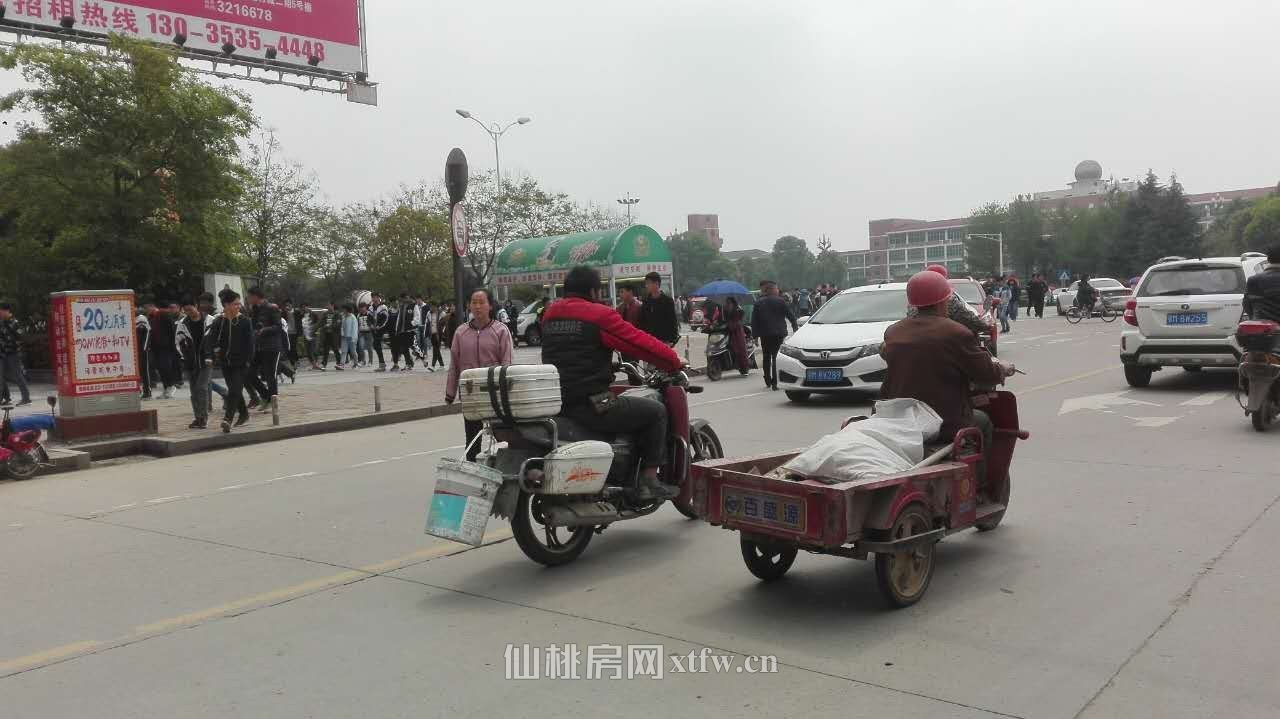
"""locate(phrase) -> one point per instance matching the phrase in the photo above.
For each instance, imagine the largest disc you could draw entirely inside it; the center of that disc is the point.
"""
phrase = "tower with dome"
(1089, 181)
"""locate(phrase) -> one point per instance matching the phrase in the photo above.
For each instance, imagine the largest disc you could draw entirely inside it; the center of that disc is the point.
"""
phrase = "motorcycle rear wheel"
(21, 465)
(704, 444)
(713, 369)
(1263, 418)
(544, 544)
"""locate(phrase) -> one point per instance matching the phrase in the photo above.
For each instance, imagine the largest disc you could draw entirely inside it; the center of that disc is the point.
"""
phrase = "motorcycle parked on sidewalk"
(21, 452)
(720, 352)
(1258, 371)
(563, 482)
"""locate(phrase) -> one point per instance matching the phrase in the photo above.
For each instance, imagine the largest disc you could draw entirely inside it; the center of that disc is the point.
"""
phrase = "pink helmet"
(940, 269)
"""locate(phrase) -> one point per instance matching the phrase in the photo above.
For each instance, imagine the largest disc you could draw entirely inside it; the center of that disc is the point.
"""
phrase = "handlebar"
(655, 378)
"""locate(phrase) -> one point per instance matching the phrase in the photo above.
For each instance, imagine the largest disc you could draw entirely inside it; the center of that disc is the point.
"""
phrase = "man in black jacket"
(164, 346)
(190, 349)
(1037, 289)
(231, 343)
(658, 314)
(380, 321)
(769, 320)
(1262, 291)
(402, 337)
(269, 334)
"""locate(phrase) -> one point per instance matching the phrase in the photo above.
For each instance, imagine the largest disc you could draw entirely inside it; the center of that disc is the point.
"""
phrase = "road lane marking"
(237, 607)
(1202, 400)
(1066, 380)
(162, 500)
(727, 399)
(48, 656)
(1101, 402)
(1153, 421)
(370, 462)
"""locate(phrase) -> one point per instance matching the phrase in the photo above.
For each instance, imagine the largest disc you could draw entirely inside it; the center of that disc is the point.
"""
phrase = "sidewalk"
(318, 403)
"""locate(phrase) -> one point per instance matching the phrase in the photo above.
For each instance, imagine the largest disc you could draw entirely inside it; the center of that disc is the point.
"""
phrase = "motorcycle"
(21, 452)
(720, 352)
(1258, 371)
(553, 526)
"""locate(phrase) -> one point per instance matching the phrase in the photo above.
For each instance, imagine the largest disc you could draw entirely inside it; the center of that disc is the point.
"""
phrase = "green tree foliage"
(828, 266)
(128, 179)
(409, 251)
(1263, 230)
(1226, 235)
(752, 271)
(982, 255)
(695, 261)
(1156, 221)
(792, 261)
(275, 218)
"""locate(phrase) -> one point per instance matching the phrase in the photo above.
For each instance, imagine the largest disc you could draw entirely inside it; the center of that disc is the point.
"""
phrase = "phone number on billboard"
(235, 8)
(242, 38)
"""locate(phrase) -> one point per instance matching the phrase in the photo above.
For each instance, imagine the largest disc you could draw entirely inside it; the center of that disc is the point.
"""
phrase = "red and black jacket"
(579, 337)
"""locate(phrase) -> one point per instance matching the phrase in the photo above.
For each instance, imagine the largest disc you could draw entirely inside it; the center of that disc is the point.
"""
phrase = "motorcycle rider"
(1262, 291)
(957, 309)
(579, 336)
(935, 359)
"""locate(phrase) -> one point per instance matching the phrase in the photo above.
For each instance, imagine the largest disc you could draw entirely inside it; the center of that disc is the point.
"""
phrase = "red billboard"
(92, 342)
(325, 34)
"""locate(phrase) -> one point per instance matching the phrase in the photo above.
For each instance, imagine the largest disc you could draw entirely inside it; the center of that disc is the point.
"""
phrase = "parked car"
(1110, 291)
(527, 327)
(970, 290)
(1184, 314)
(837, 350)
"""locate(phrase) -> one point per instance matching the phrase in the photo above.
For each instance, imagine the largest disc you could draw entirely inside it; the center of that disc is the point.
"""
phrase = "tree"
(335, 251)
(1226, 235)
(276, 216)
(1025, 247)
(1156, 221)
(792, 260)
(1263, 230)
(751, 272)
(982, 254)
(695, 261)
(410, 252)
(828, 266)
(128, 179)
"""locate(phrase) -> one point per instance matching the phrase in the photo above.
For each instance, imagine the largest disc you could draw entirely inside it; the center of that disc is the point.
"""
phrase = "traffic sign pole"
(455, 181)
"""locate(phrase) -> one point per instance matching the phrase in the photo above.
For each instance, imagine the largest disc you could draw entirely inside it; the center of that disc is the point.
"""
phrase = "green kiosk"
(625, 255)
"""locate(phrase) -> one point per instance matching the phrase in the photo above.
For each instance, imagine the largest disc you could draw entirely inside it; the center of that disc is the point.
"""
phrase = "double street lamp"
(495, 132)
(628, 201)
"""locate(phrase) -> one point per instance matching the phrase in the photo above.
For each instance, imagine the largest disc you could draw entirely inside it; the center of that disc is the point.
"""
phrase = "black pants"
(166, 363)
(643, 418)
(769, 348)
(400, 344)
(144, 372)
(11, 371)
(472, 428)
(330, 342)
(262, 378)
(293, 350)
(233, 403)
(377, 348)
(436, 359)
(1037, 304)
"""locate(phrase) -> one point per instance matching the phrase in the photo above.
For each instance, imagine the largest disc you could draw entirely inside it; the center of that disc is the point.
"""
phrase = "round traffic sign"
(458, 221)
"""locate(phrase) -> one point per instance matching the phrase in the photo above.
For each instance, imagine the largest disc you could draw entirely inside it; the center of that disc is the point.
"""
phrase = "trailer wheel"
(903, 577)
(767, 562)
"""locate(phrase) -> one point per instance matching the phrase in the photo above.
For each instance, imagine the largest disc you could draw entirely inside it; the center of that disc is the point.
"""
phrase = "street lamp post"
(999, 239)
(495, 132)
(628, 201)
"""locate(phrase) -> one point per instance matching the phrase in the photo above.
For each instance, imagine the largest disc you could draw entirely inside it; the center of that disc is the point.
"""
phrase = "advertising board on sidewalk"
(94, 351)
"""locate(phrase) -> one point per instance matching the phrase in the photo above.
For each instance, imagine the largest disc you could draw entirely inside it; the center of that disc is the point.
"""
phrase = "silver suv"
(1184, 314)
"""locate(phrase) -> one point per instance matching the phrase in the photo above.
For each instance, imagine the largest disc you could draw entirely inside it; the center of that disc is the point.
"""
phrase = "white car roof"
(1234, 261)
(872, 288)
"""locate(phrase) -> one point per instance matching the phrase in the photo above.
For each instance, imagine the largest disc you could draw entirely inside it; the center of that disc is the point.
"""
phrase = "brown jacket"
(933, 359)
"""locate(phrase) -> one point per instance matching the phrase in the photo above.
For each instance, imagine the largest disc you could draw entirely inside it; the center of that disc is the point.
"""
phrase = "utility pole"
(628, 201)
(999, 240)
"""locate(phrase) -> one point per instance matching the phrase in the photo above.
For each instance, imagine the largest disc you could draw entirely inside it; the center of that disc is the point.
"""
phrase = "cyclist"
(1086, 295)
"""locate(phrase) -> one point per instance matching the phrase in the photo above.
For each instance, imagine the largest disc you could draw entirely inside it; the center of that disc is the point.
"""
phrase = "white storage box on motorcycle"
(462, 500)
(576, 468)
(518, 391)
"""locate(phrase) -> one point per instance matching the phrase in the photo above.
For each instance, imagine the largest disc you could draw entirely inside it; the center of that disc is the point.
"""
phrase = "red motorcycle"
(21, 453)
(1259, 369)
(564, 482)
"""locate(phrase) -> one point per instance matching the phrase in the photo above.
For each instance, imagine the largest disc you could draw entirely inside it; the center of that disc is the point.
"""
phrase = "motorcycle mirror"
(52, 400)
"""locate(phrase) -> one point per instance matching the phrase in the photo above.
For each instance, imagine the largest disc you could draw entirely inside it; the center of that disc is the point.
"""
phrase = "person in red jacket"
(579, 337)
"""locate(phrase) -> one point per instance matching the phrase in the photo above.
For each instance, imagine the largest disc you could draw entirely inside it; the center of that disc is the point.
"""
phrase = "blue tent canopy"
(721, 287)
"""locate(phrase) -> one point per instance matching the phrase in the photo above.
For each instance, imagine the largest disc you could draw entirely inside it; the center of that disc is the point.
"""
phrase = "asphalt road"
(1133, 576)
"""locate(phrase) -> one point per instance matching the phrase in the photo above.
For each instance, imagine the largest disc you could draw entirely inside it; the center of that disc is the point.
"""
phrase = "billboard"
(91, 339)
(320, 34)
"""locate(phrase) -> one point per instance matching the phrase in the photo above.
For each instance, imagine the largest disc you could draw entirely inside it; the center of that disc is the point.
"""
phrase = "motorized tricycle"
(554, 515)
(898, 518)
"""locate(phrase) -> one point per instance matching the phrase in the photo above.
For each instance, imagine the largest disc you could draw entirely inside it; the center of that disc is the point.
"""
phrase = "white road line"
(162, 500)
(727, 399)
(230, 487)
(366, 464)
(123, 506)
(1202, 400)
(292, 476)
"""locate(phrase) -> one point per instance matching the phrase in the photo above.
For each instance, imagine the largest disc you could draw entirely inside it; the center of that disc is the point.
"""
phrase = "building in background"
(708, 225)
(900, 247)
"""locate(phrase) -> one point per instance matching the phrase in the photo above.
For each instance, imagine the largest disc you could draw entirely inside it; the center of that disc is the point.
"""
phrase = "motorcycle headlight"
(790, 351)
(871, 350)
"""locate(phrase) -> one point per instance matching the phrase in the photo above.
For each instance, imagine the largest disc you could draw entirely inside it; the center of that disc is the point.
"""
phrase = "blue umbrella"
(721, 287)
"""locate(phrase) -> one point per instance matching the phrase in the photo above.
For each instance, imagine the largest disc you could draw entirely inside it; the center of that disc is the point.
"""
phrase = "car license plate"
(824, 375)
(1187, 318)
(766, 508)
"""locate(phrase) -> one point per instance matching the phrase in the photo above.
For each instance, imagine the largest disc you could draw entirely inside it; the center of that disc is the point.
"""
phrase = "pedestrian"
(734, 316)
(380, 319)
(1037, 290)
(190, 334)
(142, 337)
(1015, 298)
(658, 316)
(482, 342)
(309, 323)
(350, 329)
(436, 320)
(269, 346)
(629, 306)
(283, 366)
(332, 340)
(420, 346)
(231, 346)
(164, 346)
(451, 322)
(804, 304)
(293, 328)
(205, 304)
(769, 318)
(1004, 293)
(11, 356)
(402, 334)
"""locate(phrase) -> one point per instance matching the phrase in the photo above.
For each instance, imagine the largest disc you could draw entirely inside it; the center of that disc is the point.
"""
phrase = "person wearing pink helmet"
(957, 308)
(935, 360)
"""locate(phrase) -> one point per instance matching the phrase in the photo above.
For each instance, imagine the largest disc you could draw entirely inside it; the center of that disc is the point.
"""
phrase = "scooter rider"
(935, 360)
(1262, 291)
(579, 337)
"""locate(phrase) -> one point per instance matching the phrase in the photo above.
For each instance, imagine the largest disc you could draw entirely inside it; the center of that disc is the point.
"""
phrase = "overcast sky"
(801, 117)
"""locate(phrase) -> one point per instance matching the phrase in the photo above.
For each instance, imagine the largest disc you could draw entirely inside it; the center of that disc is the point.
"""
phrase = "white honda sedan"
(838, 349)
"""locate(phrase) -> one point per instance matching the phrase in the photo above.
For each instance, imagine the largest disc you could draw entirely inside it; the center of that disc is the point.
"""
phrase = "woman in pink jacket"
(482, 342)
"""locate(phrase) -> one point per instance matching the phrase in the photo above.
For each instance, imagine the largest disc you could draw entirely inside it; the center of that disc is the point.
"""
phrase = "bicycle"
(1108, 313)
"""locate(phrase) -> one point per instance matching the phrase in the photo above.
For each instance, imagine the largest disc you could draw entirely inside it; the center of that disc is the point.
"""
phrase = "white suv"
(1184, 314)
